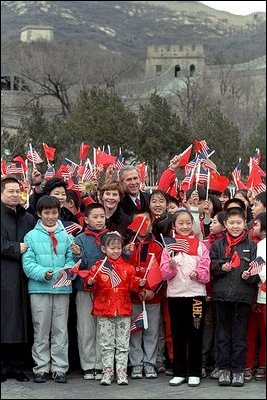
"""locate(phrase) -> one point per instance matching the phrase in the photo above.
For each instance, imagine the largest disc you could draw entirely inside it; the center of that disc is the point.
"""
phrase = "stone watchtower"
(184, 59)
(31, 33)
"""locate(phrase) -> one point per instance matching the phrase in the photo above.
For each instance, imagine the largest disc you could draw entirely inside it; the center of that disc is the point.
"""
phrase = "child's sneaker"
(150, 372)
(215, 374)
(137, 372)
(89, 375)
(98, 374)
(122, 378)
(248, 374)
(106, 379)
(260, 374)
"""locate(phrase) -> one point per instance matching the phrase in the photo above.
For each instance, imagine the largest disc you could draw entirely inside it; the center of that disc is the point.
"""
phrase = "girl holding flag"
(186, 272)
(111, 281)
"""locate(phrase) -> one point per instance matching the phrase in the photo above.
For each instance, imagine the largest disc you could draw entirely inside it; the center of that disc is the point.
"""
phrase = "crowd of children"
(206, 313)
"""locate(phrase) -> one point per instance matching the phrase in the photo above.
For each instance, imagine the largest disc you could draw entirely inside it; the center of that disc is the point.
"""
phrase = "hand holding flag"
(235, 260)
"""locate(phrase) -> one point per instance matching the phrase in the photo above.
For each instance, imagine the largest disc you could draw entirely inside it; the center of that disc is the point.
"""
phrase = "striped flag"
(201, 146)
(108, 269)
(50, 173)
(14, 168)
(179, 245)
(33, 156)
(260, 188)
(64, 279)
(256, 266)
(137, 324)
(72, 228)
(72, 166)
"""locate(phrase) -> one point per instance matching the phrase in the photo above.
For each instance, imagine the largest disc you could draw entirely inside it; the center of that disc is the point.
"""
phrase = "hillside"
(128, 27)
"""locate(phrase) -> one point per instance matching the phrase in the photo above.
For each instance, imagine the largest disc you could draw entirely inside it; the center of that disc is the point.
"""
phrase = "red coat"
(140, 260)
(108, 301)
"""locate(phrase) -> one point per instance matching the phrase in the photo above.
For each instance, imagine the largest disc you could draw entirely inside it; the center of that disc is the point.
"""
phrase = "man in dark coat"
(15, 223)
(134, 198)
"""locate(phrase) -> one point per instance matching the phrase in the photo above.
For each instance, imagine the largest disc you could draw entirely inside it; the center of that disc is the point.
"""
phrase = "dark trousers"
(187, 321)
(230, 335)
(13, 358)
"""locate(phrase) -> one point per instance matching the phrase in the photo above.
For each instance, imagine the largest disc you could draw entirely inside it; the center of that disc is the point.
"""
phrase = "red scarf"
(54, 241)
(211, 238)
(187, 244)
(96, 234)
(232, 242)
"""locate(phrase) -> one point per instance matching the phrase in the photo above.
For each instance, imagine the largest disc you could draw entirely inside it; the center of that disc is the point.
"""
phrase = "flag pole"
(33, 163)
(101, 265)
(85, 166)
(145, 315)
(150, 264)
(208, 185)
(139, 229)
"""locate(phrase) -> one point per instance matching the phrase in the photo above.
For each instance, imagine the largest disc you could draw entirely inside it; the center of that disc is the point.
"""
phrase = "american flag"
(64, 279)
(137, 324)
(89, 173)
(260, 188)
(202, 146)
(72, 166)
(33, 156)
(202, 175)
(72, 227)
(50, 173)
(119, 163)
(256, 266)
(179, 245)
(236, 174)
(14, 168)
(114, 277)
(206, 162)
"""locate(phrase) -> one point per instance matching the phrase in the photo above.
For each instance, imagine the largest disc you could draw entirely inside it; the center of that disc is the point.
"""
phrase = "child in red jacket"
(111, 281)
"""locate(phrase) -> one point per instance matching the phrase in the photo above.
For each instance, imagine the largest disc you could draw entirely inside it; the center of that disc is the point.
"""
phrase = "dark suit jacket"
(129, 207)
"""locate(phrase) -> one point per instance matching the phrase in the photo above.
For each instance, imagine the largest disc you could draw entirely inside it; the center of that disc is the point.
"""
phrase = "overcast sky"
(237, 7)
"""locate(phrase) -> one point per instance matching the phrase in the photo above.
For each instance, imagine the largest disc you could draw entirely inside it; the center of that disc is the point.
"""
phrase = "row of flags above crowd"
(199, 171)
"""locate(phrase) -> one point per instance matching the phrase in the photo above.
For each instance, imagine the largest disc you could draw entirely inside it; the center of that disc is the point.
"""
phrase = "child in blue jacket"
(49, 250)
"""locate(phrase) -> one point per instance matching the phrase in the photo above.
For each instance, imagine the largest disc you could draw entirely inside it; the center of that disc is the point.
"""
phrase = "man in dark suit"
(134, 199)
(15, 223)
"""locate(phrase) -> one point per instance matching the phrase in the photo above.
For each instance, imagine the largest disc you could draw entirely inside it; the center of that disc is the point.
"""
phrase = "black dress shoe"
(21, 377)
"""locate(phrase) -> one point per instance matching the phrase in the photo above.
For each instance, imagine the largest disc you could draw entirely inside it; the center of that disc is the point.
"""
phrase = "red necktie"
(54, 241)
(138, 203)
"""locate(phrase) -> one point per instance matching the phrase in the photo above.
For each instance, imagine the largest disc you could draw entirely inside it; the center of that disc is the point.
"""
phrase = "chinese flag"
(185, 156)
(137, 222)
(3, 167)
(49, 152)
(235, 260)
(21, 161)
(254, 178)
(263, 287)
(84, 149)
(103, 158)
(142, 170)
(218, 182)
(62, 171)
(76, 267)
(154, 276)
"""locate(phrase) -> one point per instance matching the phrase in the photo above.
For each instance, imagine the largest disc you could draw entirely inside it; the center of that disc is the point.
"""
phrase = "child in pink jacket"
(187, 273)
